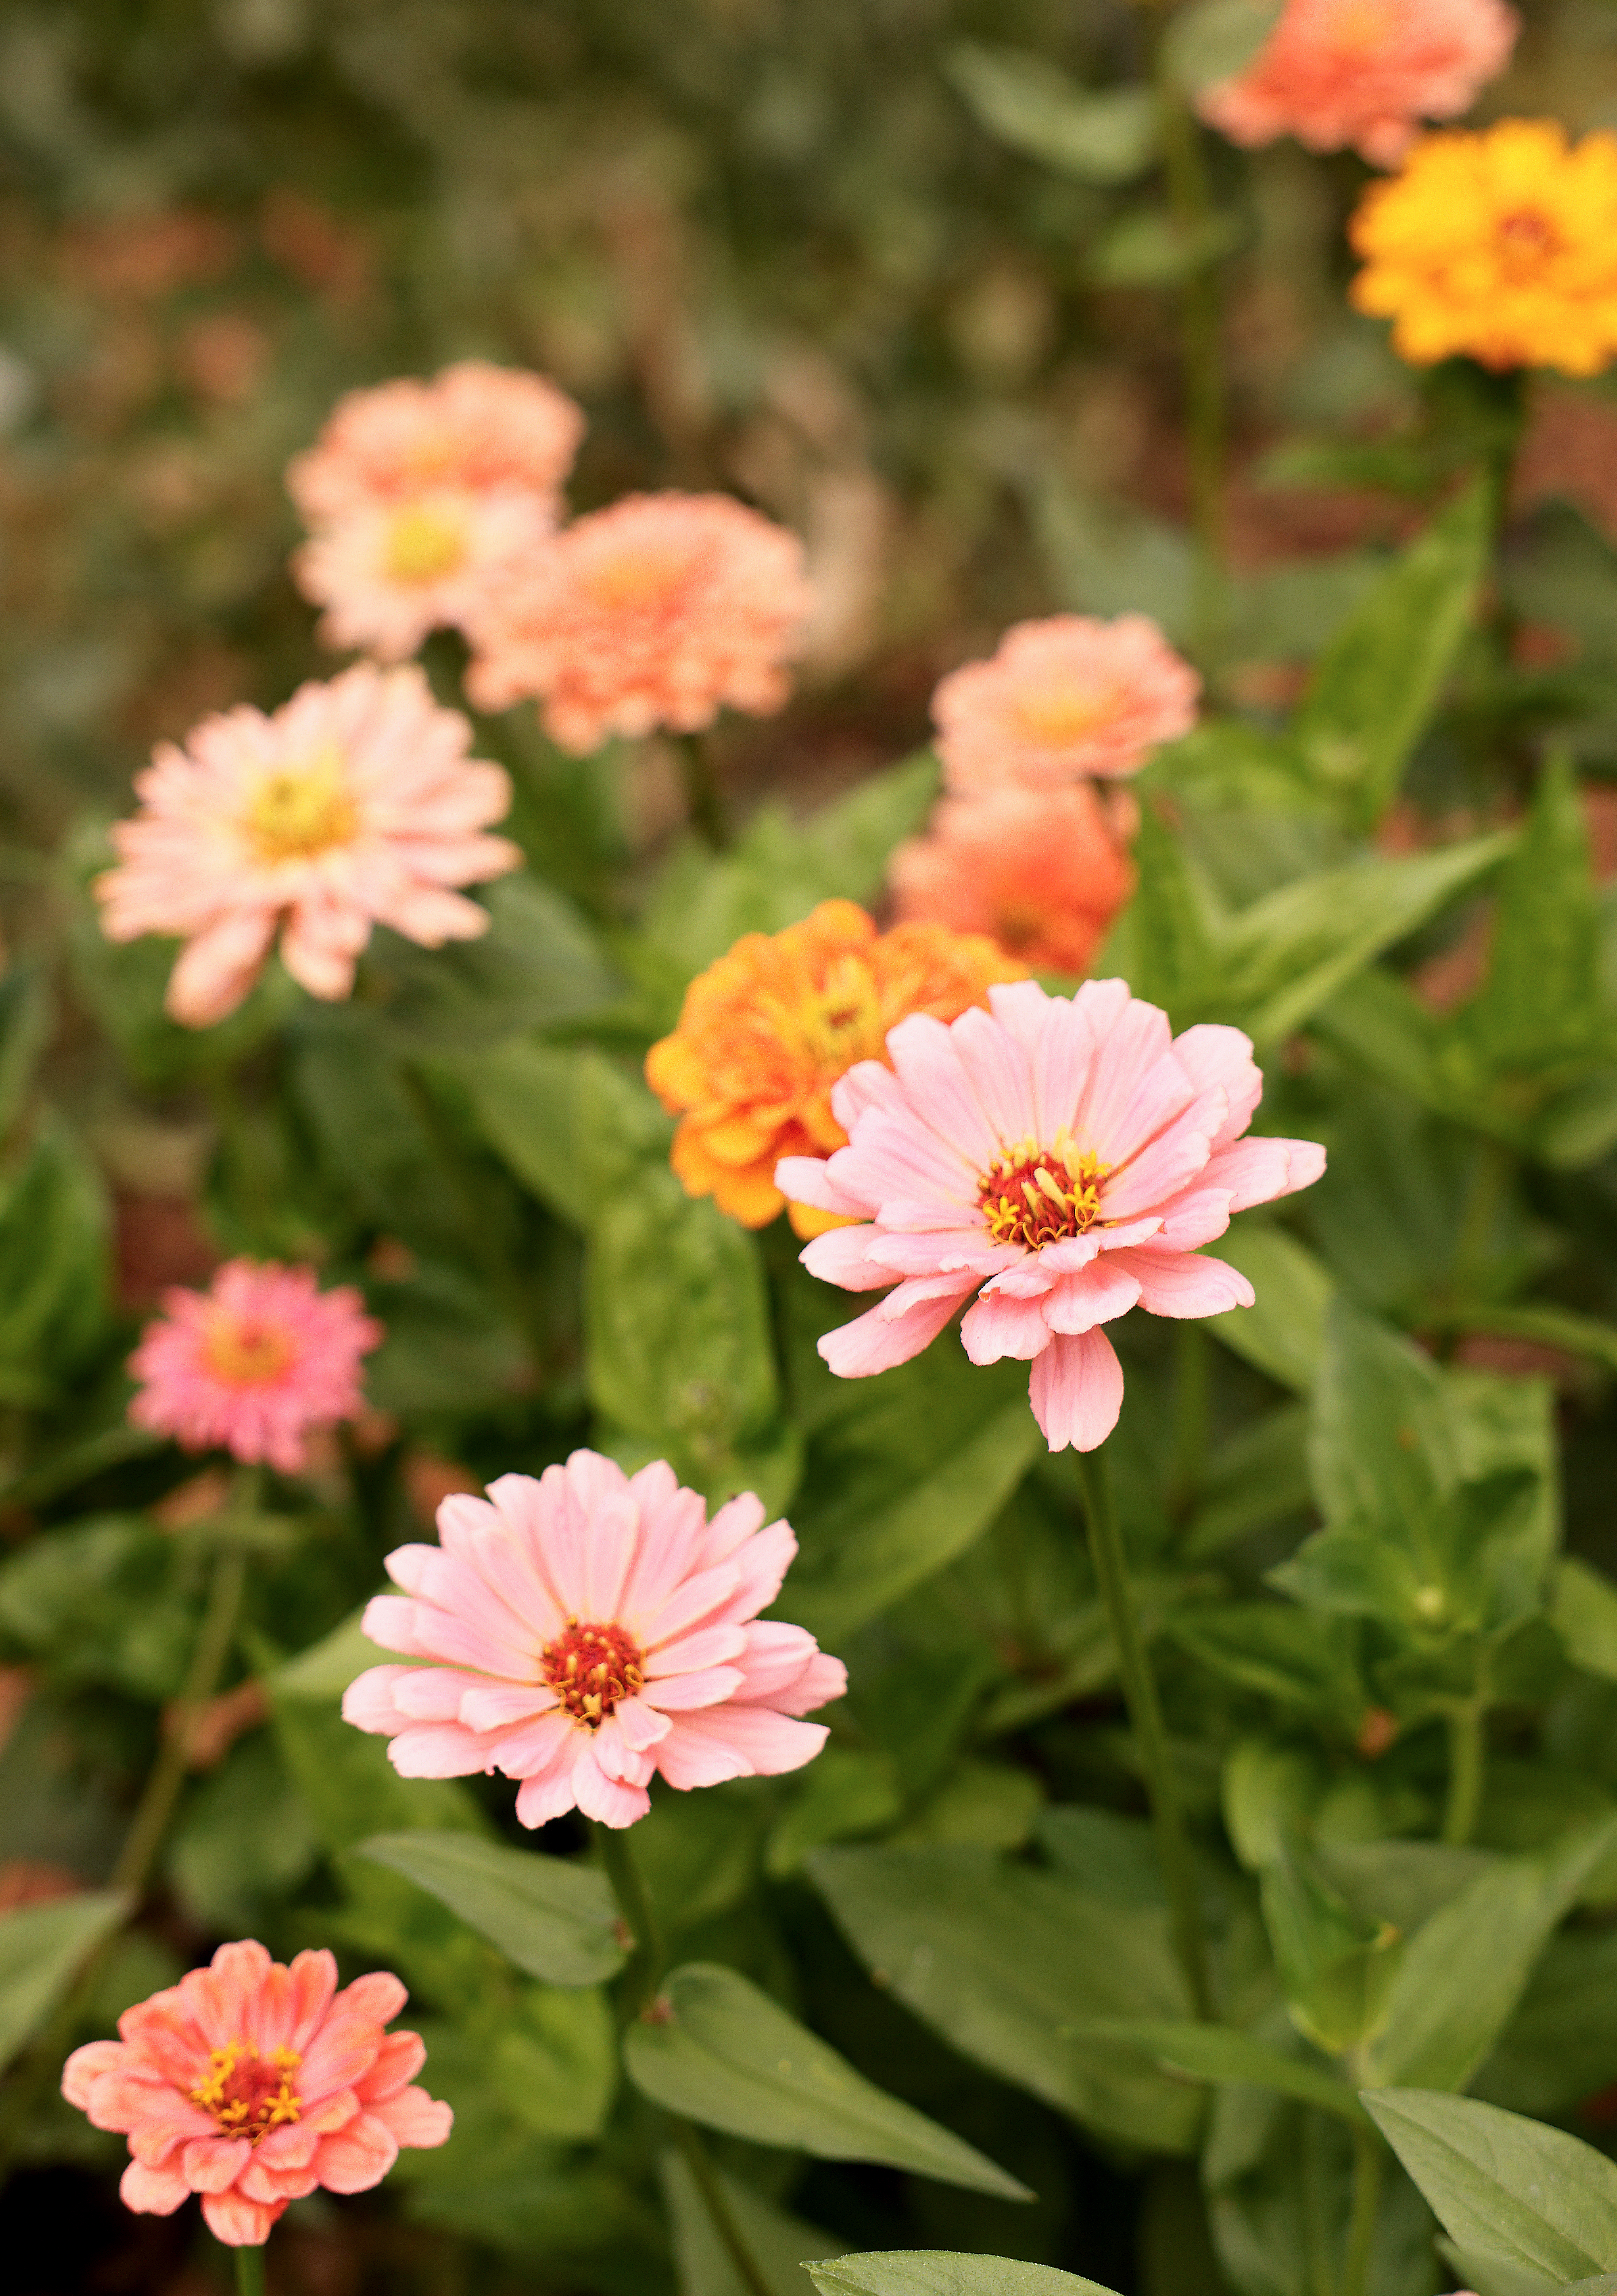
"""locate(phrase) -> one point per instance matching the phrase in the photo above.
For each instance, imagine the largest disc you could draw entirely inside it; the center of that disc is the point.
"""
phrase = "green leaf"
(1106, 137)
(555, 2061)
(108, 1599)
(1153, 248)
(1004, 1961)
(942, 2271)
(54, 1237)
(1214, 39)
(349, 1785)
(1560, 2046)
(722, 2054)
(525, 1098)
(1299, 1657)
(539, 966)
(777, 2242)
(1540, 999)
(1378, 681)
(1467, 1967)
(553, 1918)
(1217, 2054)
(1260, 1476)
(1337, 1970)
(26, 1018)
(1502, 2186)
(41, 1949)
(1584, 1607)
(1283, 1332)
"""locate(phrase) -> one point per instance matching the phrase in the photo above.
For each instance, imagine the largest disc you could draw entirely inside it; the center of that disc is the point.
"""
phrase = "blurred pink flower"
(1364, 72)
(475, 429)
(388, 573)
(254, 2084)
(1061, 699)
(587, 1629)
(355, 803)
(253, 1363)
(659, 611)
(1064, 1157)
(1043, 872)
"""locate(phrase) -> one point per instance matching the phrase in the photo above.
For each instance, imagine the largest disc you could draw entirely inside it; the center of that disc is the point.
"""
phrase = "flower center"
(634, 580)
(1360, 26)
(424, 543)
(840, 1018)
(1032, 1195)
(1526, 237)
(1065, 713)
(296, 810)
(243, 1352)
(248, 2095)
(590, 1668)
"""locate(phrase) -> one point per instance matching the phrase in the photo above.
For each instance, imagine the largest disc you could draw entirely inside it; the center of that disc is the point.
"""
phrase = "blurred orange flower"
(767, 1031)
(1501, 246)
(1041, 872)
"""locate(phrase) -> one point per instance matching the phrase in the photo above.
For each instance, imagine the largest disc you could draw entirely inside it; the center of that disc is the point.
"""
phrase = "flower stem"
(1361, 2225)
(703, 801)
(645, 1970)
(249, 2271)
(1467, 1754)
(1145, 1718)
(715, 2202)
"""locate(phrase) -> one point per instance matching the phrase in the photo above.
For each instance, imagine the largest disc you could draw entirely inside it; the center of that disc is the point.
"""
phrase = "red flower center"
(248, 2095)
(1033, 1196)
(590, 1668)
(243, 1352)
(1526, 237)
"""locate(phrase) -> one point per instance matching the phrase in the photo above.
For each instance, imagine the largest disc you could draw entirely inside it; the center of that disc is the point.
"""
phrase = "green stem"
(1490, 1175)
(1367, 2200)
(1317, 2245)
(644, 1970)
(1191, 1352)
(703, 801)
(1202, 355)
(716, 2201)
(1467, 1754)
(1145, 1718)
(249, 2271)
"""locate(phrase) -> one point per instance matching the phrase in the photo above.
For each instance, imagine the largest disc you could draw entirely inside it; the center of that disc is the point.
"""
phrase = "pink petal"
(1000, 1326)
(1216, 1055)
(877, 1339)
(375, 1998)
(442, 1750)
(717, 1644)
(737, 1742)
(151, 2192)
(839, 1256)
(399, 2059)
(240, 2222)
(1096, 1294)
(1163, 1092)
(548, 1794)
(1125, 1049)
(606, 1800)
(676, 1693)
(808, 1180)
(1168, 1165)
(210, 2164)
(1185, 1284)
(1077, 1391)
(928, 1065)
(498, 1705)
(359, 2156)
(414, 2118)
(867, 1083)
(85, 2066)
(1000, 1074)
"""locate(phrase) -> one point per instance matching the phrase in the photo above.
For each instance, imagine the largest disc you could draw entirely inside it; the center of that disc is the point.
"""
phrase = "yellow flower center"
(1032, 1195)
(838, 1019)
(590, 1668)
(1065, 713)
(245, 1353)
(296, 810)
(247, 2094)
(425, 542)
(634, 579)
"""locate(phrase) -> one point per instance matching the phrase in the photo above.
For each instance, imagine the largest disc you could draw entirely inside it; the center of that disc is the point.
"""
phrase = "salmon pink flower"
(387, 573)
(661, 610)
(767, 1031)
(1064, 1157)
(254, 2084)
(474, 429)
(587, 1629)
(1062, 699)
(1364, 72)
(1043, 872)
(253, 1363)
(354, 804)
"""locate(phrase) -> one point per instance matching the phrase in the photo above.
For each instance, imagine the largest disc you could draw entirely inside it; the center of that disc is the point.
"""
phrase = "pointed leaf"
(41, 1949)
(1104, 137)
(552, 1917)
(1217, 2054)
(944, 2272)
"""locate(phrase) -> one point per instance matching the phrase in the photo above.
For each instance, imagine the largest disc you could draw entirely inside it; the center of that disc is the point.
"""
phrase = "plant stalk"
(249, 2271)
(644, 1973)
(703, 801)
(1145, 1720)
(1467, 1756)
(1361, 2224)
(715, 2202)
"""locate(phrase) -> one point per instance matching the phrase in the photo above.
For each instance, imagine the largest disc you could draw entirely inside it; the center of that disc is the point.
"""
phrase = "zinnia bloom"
(253, 1363)
(661, 610)
(254, 2084)
(1043, 872)
(355, 803)
(765, 1033)
(388, 573)
(587, 1629)
(473, 430)
(1062, 699)
(1501, 246)
(1061, 1157)
(1364, 72)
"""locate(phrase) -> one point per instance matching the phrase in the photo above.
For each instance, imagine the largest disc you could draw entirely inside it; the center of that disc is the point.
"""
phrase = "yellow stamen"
(425, 542)
(298, 810)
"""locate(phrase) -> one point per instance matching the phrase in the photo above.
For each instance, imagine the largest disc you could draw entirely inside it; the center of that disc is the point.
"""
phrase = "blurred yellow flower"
(1501, 245)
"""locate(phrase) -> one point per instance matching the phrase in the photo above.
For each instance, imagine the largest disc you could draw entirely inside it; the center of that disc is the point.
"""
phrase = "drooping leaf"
(552, 1917)
(722, 2052)
(41, 1949)
(1541, 998)
(942, 2272)
(1217, 2055)
(1283, 1332)
(777, 2242)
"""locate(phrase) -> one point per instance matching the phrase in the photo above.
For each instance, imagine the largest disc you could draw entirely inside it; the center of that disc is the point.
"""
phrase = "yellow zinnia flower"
(1501, 245)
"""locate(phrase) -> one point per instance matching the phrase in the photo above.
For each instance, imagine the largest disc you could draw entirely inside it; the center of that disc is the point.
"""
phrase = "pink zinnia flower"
(1364, 72)
(659, 611)
(355, 803)
(388, 573)
(1062, 699)
(1042, 871)
(254, 2084)
(587, 1629)
(1061, 1156)
(475, 430)
(253, 1363)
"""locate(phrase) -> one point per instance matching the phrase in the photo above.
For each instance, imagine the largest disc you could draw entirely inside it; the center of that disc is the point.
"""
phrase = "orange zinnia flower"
(765, 1032)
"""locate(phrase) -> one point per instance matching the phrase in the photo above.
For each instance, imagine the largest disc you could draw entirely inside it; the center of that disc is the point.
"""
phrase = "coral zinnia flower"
(253, 2084)
(387, 574)
(356, 802)
(1041, 871)
(588, 1629)
(253, 1363)
(1502, 246)
(1364, 72)
(475, 429)
(1062, 699)
(765, 1032)
(659, 611)
(1062, 1156)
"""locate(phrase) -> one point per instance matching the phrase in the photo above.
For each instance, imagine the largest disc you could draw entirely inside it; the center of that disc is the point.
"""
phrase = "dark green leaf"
(553, 1918)
(1217, 2054)
(41, 1946)
(938, 2271)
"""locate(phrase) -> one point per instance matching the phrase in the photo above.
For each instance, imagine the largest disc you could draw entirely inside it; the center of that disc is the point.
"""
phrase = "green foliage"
(554, 1920)
(41, 1949)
